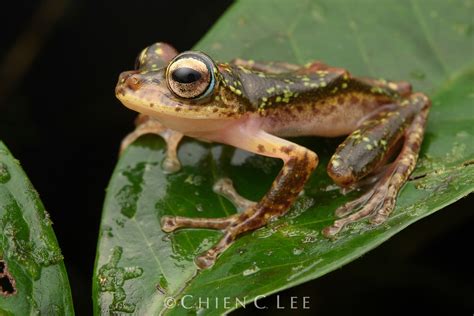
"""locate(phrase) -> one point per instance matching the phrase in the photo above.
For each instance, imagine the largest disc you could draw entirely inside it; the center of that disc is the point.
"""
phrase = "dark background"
(59, 62)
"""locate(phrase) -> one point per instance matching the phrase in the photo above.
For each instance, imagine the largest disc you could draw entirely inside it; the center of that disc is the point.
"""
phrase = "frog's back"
(320, 101)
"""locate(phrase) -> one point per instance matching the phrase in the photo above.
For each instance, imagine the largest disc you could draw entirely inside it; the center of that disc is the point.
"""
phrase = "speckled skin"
(254, 104)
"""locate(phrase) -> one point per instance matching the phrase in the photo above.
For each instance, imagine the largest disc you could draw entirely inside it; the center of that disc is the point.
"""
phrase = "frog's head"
(187, 87)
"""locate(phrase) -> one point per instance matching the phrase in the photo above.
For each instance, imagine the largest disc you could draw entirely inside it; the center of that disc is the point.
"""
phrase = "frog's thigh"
(367, 148)
(299, 162)
(147, 125)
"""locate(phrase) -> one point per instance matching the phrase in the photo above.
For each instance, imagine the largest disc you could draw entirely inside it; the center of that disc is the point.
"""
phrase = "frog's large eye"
(190, 75)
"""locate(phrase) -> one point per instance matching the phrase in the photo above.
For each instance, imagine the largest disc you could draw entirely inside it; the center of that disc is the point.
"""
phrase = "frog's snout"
(130, 80)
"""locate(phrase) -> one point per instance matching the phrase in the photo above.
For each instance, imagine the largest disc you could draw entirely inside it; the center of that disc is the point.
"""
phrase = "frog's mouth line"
(153, 101)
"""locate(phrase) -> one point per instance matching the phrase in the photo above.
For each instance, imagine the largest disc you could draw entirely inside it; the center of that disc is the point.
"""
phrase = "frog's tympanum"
(254, 106)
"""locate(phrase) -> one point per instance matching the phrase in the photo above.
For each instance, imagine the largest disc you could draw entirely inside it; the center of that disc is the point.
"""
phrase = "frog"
(259, 107)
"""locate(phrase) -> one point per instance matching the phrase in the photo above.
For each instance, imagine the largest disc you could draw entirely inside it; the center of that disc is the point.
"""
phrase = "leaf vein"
(429, 39)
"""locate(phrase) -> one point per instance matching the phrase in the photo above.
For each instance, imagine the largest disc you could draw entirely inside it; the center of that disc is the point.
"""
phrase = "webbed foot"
(299, 162)
(229, 225)
(377, 203)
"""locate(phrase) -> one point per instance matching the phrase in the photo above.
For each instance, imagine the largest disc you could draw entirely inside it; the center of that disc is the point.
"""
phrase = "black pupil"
(186, 75)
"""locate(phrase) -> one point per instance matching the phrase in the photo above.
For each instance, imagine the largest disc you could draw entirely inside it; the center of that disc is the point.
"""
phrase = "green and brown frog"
(256, 106)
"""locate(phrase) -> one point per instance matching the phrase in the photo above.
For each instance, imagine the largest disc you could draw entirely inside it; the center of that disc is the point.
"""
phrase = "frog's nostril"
(129, 79)
(132, 81)
(124, 75)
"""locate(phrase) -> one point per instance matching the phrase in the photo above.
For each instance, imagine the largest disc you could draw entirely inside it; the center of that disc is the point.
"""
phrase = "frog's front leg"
(147, 125)
(367, 148)
(299, 162)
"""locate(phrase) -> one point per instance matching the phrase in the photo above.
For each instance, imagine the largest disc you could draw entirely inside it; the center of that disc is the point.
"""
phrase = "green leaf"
(429, 43)
(33, 279)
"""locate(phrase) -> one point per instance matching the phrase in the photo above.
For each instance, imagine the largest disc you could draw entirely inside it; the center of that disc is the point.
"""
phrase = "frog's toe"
(378, 219)
(378, 202)
(129, 139)
(383, 212)
(168, 223)
(208, 258)
(332, 230)
(171, 165)
(351, 206)
(205, 260)
(171, 223)
(225, 188)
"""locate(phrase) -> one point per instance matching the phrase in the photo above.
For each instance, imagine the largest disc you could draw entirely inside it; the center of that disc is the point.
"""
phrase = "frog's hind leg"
(225, 187)
(172, 223)
(367, 148)
(299, 163)
(147, 125)
(222, 187)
